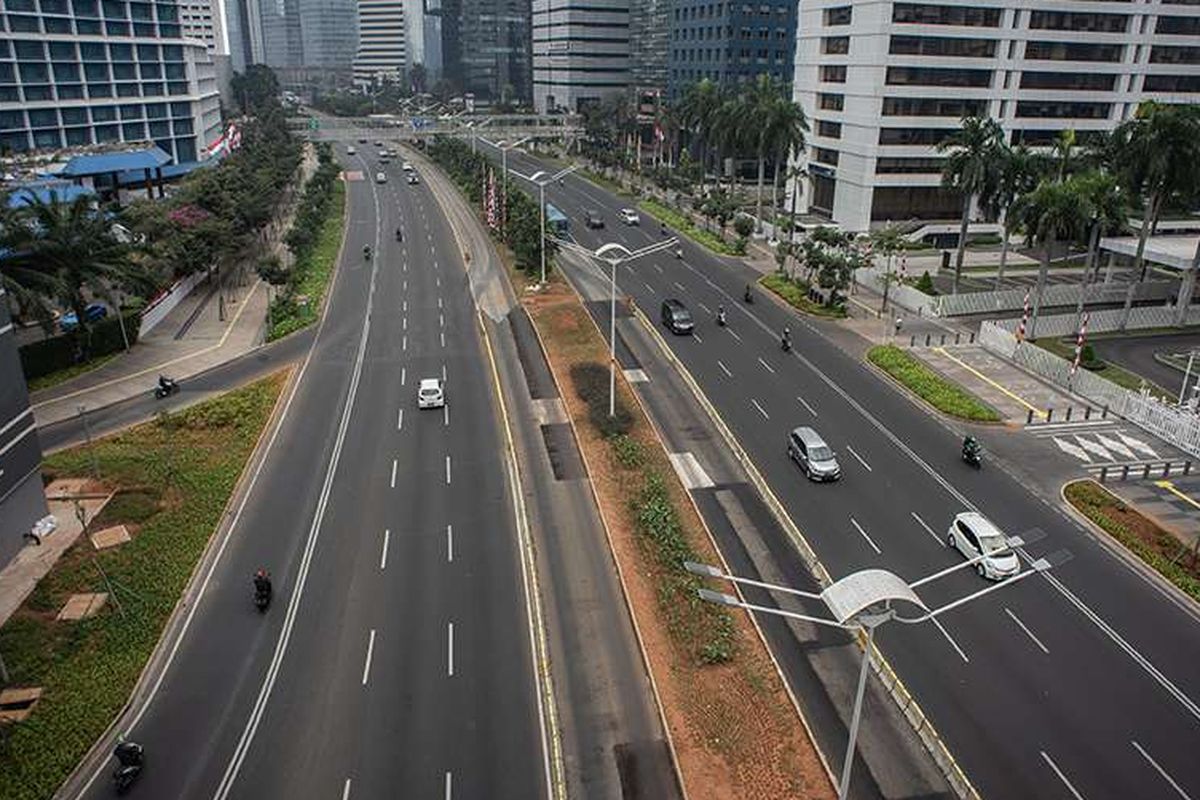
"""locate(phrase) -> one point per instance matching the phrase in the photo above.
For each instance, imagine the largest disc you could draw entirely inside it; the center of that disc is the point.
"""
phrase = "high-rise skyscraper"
(730, 42)
(486, 49)
(309, 35)
(649, 43)
(883, 83)
(580, 52)
(382, 52)
(92, 72)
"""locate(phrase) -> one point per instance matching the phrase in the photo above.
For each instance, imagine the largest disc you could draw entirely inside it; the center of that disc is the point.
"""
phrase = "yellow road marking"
(1170, 487)
(991, 382)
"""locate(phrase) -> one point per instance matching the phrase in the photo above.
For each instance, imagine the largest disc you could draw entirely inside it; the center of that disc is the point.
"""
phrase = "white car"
(431, 393)
(407, 167)
(973, 535)
(380, 177)
(412, 179)
(629, 216)
(350, 150)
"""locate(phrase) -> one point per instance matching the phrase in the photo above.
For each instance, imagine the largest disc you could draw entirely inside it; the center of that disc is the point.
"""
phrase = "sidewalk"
(189, 340)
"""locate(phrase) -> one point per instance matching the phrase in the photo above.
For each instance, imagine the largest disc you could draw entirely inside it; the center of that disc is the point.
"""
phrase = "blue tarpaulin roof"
(65, 192)
(137, 177)
(106, 163)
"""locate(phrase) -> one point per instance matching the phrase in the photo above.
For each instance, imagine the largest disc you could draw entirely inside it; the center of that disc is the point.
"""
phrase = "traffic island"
(732, 727)
(796, 294)
(938, 391)
(173, 478)
(1172, 557)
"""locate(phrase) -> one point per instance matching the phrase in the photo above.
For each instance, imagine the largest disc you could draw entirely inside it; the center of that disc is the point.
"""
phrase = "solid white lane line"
(448, 786)
(1074, 792)
(657, 267)
(439, 306)
(707, 310)
(405, 308)
(804, 403)
(649, 288)
(443, 372)
(442, 320)
(760, 409)
(1028, 632)
(346, 790)
(1161, 771)
(447, 470)
(400, 420)
(860, 458)
(403, 375)
(766, 366)
(405, 285)
(404, 344)
(938, 623)
(367, 663)
(393, 473)
(446, 415)
(443, 338)
(724, 369)
(437, 281)
(696, 336)
(870, 541)
(450, 650)
(928, 529)
(733, 333)
(387, 537)
(404, 324)
(679, 286)
(450, 544)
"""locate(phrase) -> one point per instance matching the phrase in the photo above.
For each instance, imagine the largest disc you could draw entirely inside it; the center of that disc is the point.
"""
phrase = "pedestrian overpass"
(380, 127)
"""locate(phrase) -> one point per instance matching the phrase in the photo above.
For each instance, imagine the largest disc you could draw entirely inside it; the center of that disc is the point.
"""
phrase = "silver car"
(974, 535)
(817, 459)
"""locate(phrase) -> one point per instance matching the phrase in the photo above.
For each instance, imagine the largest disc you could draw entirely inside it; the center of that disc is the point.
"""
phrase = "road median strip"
(940, 392)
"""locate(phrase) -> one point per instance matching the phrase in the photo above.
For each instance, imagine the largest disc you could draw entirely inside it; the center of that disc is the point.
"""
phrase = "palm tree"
(74, 243)
(698, 111)
(789, 126)
(730, 131)
(31, 287)
(1050, 213)
(1018, 171)
(1108, 210)
(1063, 148)
(763, 106)
(1158, 154)
(971, 170)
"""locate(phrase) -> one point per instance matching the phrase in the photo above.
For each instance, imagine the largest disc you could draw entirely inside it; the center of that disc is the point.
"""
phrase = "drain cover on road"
(82, 606)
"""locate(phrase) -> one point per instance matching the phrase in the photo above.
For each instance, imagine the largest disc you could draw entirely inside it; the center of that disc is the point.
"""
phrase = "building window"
(1182, 84)
(1069, 21)
(1165, 54)
(933, 107)
(839, 16)
(959, 16)
(1178, 26)
(1073, 51)
(1061, 110)
(833, 73)
(830, 130)
(927, 137)
(942, 46)
(938, 76)
(823, 155)
(1070, 81)
(831, 102)
(835, 45)
(898, 165)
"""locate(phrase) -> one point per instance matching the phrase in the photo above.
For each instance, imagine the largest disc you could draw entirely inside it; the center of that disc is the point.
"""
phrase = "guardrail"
(1145, 471)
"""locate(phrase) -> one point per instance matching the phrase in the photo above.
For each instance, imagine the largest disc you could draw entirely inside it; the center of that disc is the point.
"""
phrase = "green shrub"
(744, 225)
(943, 394)
(794, 293)
(591, 381)
(630, 454)
(66, 350)
(925, 284)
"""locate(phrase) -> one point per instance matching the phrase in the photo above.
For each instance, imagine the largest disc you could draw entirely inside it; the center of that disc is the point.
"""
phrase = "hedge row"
(71, 348)
(941, 393)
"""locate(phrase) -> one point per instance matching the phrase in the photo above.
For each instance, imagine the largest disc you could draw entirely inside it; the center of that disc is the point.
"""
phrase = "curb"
(917, 400)
(637, 630)
(932, 741)
(1188, 604)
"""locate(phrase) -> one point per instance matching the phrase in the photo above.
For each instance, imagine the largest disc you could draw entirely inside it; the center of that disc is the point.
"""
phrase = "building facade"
(883, 82)
(580, 52)
(202, 20)
(22, 500)
(649, 43)
(486, 50)
(730, 42)
(309, 34)
(382, 42)
(89, 73)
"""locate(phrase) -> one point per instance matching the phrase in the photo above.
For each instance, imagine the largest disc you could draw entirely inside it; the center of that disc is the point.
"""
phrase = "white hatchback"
(431, 393)
(380, 177)
(629, 216)
(974, 535)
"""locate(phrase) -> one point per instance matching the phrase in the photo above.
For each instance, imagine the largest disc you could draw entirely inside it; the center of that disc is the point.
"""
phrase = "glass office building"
(83, 72)
(730, 43)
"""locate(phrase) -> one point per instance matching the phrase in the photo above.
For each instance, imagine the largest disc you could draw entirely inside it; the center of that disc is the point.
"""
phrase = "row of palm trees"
(1068, 194)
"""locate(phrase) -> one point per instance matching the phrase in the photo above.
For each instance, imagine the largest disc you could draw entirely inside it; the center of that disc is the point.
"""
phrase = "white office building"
(883, 82)
(89, 73)
(382, 42)
(580, 52)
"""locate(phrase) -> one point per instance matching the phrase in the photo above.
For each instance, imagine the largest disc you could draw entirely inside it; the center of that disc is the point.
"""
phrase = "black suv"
(592, 219)
(676, 317)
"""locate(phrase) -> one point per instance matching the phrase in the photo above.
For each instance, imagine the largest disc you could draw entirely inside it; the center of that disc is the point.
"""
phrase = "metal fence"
(954, 305)
(1107, 320)
(904, 296)
(1175, 424)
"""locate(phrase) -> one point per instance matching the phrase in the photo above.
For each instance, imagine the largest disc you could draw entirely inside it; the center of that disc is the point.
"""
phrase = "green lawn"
(793, 294)
(315, 272)
(1110, 371)
(682, 224)
(174, 477)
(55, 378)
(941, 393)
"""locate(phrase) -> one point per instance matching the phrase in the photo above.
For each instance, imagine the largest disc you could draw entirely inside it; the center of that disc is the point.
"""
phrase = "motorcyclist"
(786, 342)
(262, 582)
(399, 235)
(679, 252)
(128, 753)
(366, 251)
(662, 228)
(748, 297)
(721, 315)
(971, 447)
(165, 383)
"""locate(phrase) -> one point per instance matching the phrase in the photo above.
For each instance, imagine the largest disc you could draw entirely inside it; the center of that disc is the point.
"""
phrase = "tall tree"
(1018, 170)
(699, 112)
(1063, 149)
(970, 169)
(763, 103)
(789, 126)
(1051, 213)
(1108, 212)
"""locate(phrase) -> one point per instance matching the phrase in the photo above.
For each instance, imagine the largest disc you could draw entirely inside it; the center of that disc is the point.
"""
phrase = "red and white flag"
(492, 221)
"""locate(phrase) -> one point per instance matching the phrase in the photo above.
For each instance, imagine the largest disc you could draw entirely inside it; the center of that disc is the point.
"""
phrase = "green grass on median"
(793, 294)
(683, 224)
(173, 478)
(62, 375)
(315, 269)
(941, 393)
(1140, 535)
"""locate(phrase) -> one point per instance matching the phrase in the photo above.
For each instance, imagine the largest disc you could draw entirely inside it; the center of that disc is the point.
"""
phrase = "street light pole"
(539, 178)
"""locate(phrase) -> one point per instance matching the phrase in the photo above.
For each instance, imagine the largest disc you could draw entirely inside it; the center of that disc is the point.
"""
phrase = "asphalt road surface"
(1077, 684)
(1136, 353)
(395, 659)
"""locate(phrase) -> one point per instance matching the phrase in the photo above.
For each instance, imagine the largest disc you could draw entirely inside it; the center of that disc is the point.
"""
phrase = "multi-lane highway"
(396, 657)
(1079, 684)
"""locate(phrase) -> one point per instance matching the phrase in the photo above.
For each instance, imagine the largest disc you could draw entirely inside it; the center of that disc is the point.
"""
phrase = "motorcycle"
(748, 297)
(721, 317)
(679, 252)
(367, 252)
(165, 388)
(786, 343)
(262, 596)
(399, 235)
(130, 757)
(973, 455)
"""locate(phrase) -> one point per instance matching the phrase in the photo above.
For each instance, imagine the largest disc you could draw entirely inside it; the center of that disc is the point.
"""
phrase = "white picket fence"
(904, 296)
(1178, 425)
(954, 305)
(1107, 320)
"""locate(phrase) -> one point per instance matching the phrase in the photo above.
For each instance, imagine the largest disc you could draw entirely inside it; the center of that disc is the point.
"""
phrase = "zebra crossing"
(1103, 443)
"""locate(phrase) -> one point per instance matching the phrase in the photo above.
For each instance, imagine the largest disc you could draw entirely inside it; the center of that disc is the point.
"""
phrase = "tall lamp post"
(864, 600)
(542, 182)
(614, 254)
(504, 146)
